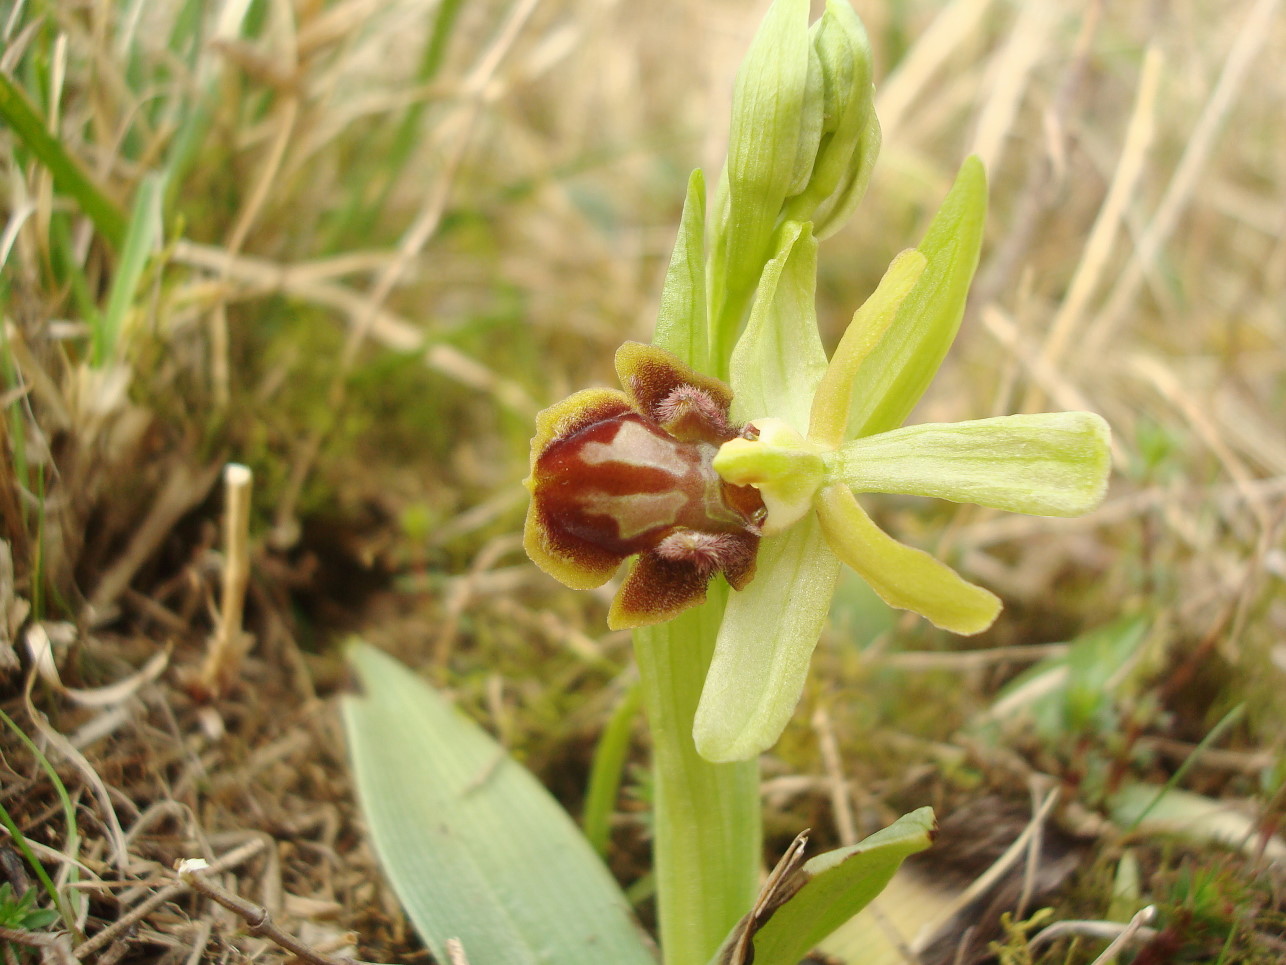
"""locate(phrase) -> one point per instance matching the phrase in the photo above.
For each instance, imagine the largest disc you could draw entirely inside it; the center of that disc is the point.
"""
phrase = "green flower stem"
(706, 817)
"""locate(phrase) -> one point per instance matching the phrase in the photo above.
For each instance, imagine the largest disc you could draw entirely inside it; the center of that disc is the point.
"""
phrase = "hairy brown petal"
(655, 590)
(690, 406)
(738, 564)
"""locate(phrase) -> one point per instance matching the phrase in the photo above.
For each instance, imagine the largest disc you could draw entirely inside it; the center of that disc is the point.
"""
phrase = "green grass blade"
(17, 112)
(15, 833)
(474, 846)
(1213, 737)
(367, 201)
(66, 913)
(609, 762)
(191, 107)
(140, 243)
(435, 51)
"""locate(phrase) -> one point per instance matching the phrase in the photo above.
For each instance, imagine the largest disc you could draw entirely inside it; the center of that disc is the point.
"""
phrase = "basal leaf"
(474, 846)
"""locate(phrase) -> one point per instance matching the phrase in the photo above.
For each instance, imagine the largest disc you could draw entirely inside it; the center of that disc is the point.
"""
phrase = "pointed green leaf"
(779, 359)
(610, 757)
(22, 117)
(767, 636)
(681, 320)
(474, 846)
(142, 239)
(904, 577)
(896, 373)
(839, 884)
(1050, 464)
(829, 417)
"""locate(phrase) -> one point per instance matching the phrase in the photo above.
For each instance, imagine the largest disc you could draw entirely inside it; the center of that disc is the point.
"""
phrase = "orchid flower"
(818, 432)
(689, 477)
(616, 475)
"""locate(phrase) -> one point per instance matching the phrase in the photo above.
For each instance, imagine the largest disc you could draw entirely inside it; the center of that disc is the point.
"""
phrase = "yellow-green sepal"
(779, 360)
(1045, 464)
(828, 420)
(764, 645)
(904, 577)
(895, 374)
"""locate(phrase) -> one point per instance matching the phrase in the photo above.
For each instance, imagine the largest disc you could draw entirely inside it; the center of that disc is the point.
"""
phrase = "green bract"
(803, 141)
(827, 430)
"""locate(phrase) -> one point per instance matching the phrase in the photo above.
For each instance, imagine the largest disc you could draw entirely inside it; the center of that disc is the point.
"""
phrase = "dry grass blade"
(122, 925)
(230, 642)
(1251, 38)
(413, 241)
(1098, 247)
(184, 488)
(1009, 78)
(953, 27)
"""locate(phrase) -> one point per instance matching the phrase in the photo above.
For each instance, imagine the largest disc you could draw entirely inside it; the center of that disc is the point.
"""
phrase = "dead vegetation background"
(355, 246)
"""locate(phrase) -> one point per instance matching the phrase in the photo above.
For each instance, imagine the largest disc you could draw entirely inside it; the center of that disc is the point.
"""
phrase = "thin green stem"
(706, 817)
(728, 313)
(1181, 772)
(72, 843)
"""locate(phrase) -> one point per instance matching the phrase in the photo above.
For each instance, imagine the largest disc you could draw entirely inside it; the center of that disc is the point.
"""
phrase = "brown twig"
(31, 939)
(151, 903)
(840, 793)
(56, 945)
(192, 874)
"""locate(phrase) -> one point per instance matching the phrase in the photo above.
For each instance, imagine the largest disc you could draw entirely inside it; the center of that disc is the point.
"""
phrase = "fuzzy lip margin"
(599, 464)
